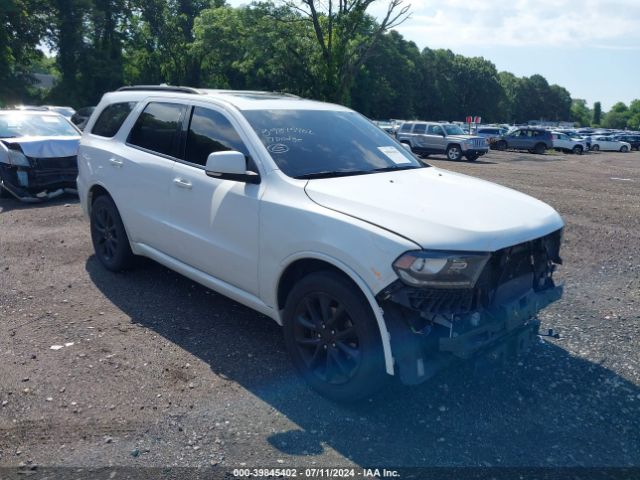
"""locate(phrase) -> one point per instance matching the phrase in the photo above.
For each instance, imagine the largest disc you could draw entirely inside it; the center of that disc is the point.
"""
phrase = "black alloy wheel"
(326, 338)
(109, 236)
(333, 338)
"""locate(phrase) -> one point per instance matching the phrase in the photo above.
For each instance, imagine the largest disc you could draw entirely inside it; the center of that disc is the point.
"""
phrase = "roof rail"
(159, 88)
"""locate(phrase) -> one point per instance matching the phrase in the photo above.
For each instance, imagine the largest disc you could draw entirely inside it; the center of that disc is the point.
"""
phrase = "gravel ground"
(155, 370)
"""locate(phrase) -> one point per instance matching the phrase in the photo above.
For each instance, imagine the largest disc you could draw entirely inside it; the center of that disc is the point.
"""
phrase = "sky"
(590, 47)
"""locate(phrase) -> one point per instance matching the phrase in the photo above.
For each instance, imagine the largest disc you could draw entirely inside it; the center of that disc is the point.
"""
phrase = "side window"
(157, 128)
(420, 128)
(435, 130)
(111, 119)
(210, 131)
(406, 127)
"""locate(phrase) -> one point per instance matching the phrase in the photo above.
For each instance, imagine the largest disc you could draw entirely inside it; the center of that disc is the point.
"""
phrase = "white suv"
(372, 261)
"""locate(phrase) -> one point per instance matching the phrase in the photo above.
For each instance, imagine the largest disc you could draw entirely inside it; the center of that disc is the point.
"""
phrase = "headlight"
(440, 269)
(17, 159)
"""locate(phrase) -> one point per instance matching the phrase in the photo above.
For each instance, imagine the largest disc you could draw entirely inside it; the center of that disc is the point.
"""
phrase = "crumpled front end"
(433, 327)
(34, 179)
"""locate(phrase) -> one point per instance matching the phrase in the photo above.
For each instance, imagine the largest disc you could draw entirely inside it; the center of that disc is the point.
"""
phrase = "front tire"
(624, 149)
(454, 153)
(472, 157)
(109, 237)
(333, 338)
(577, 150)
(595, 148)
(501, 145)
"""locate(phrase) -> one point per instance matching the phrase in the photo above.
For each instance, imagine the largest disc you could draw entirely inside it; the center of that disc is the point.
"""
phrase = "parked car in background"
(491, 133)
(609, 144)
(66, 112)
(633, 140)
(38, 154)
(81, 117)
(373, 262)
(565, 143)
(426, 138)
(535, 140)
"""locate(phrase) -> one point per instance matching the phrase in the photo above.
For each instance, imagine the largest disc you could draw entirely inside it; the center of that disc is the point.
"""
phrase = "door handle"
(182, 183)
(115, 162)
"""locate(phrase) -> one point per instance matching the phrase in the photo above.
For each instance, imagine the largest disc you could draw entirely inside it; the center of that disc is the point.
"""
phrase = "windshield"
(453, 130)
(308, 143)
(27, 125)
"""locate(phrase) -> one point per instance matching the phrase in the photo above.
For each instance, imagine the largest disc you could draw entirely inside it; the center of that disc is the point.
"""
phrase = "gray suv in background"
(535, 140)
(425, 138)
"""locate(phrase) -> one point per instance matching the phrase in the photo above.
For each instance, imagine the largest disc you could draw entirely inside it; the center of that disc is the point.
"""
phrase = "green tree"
(597, 114)
(580, 113)
(22, 27)
(617, 117)
(634, 115)
(346, 36)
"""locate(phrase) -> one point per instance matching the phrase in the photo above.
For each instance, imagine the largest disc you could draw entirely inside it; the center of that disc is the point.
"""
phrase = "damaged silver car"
(38, 155)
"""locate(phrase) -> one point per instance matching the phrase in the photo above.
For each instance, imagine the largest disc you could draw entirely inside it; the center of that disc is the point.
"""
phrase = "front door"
(214, 221)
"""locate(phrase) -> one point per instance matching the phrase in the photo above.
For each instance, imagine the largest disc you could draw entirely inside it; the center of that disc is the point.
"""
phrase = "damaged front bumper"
(43, 179)
(431, 328)
(506, 331)
(496, 325)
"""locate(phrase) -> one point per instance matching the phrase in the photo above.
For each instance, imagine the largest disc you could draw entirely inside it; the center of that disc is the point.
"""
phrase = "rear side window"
(420, 128)
(406, 127)
(210, 131)
(111, 118)
(158, 127)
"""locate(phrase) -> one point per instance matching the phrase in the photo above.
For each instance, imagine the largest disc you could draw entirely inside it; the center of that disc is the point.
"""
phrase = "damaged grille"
(509, 273)
(440, 300)
(50, 172)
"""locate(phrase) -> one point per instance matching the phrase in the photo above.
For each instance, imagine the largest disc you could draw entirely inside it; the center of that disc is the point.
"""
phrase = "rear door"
(420, 139)
(436, 139)
(145, 169)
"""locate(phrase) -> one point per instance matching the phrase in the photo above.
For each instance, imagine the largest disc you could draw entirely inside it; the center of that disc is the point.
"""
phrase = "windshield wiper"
(393, 168)
(331, 174)
(348, 173)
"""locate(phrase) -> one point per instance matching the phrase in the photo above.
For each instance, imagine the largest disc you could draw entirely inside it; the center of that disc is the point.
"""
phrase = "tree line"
(331, 50)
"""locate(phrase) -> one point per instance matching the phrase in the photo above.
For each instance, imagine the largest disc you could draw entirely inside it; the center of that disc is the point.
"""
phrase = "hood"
(438, 209)
(46, 147)
(465, 137)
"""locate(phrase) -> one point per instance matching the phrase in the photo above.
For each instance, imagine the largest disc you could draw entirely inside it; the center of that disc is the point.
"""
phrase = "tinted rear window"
(112, 118)
(157, 128)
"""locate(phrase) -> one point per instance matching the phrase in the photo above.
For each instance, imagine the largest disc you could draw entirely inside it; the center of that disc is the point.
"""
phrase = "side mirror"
(230, 165)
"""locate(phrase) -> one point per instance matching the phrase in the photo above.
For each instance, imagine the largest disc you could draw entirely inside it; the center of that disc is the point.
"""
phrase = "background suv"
(425, 138)
(373, 262)
(535, 140)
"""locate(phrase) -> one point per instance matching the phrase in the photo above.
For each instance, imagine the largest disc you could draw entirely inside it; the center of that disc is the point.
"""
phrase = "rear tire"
(595, 148)
(4, 193)
(333, 338)
(109, 237)
(454, 153)
(577, 150)
(540, 148)
(624, 149)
